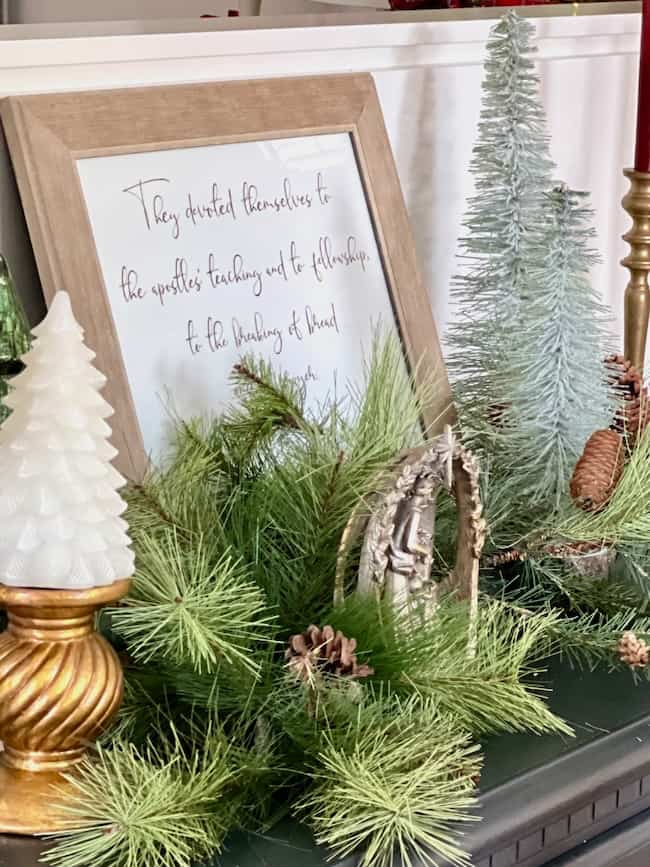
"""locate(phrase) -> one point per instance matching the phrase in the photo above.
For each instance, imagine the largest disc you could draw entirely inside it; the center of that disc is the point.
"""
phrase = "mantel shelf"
(541, 796)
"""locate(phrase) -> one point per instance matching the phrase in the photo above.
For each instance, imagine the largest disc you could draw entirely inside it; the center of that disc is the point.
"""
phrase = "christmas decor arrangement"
(330, 608)
(64, 552)
(14, 335)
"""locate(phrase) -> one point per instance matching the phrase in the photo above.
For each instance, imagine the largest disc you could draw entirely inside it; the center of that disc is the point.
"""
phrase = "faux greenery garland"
(236, 543)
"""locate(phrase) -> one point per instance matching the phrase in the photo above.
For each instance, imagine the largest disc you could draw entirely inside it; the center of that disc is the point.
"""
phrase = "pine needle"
(489, 689)
(146, 807)
(394, 787)
(188, 607)
(492, 689)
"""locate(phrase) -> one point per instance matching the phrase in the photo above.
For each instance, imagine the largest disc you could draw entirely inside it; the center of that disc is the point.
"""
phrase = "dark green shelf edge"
(627, 845)
(527, 821)
(541, 796)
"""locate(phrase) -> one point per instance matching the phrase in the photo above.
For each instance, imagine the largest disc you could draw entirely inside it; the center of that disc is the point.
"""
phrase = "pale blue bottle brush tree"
(526, 349)
(555, 388)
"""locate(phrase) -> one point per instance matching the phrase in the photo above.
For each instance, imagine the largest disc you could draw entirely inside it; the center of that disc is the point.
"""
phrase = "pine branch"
(288, 521)
(270, 403)
(484, 689)
(186, 494)
(148, 501)
(394, 783)
(293, 418)
(144, 706)
(604, 595)
(490, 690)
(384, 412)
(152, 806)
(586, 639)
(590, 640)
(191, 607)
(229, 689)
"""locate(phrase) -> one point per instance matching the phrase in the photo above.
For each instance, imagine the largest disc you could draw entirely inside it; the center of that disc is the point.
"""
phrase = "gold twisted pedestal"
(60, 685)
(637, 294)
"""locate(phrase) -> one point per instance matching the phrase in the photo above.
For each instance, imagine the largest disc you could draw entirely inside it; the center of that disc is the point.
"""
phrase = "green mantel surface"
(595, 703)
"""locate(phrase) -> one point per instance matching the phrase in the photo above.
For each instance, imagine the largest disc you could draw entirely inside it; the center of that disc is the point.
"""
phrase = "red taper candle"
(642, 153)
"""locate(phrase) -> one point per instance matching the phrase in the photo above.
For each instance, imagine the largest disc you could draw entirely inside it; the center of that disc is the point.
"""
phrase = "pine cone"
(326, 652)
(633, 415)
(598, 470)
(502, 558)
(633, 651)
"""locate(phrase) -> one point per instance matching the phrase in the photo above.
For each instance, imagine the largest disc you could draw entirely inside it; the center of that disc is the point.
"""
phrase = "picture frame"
(49, 134)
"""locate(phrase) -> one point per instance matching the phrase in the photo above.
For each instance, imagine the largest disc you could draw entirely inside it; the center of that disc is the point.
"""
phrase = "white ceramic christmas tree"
(60, 524)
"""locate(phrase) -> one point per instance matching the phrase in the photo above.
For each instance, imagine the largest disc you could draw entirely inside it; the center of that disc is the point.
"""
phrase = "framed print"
(192, 224)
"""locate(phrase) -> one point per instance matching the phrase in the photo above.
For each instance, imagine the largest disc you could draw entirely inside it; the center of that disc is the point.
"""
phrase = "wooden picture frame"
(48, 133)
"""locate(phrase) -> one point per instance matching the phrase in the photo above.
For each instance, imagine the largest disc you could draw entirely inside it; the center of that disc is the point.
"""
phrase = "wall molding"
(47, 64)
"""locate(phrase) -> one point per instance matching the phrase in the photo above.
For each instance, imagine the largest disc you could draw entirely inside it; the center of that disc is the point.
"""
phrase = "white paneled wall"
(428, 76)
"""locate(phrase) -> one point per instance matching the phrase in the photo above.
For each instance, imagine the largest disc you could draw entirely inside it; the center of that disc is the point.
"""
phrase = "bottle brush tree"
(556, 393)
(512, 170)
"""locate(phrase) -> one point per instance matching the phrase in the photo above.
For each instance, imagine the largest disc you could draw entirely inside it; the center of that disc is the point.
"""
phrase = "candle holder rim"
(630, 173)
(61, 598)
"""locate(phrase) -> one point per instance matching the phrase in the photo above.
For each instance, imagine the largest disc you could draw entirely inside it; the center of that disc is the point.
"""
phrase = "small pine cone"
(326, 652)
(633, 414)
(633, 651)
(598, 470)
(501, 558)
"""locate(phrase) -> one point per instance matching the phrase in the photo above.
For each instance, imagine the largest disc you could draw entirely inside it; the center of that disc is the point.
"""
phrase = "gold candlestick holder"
(637, 294)
(60, 685)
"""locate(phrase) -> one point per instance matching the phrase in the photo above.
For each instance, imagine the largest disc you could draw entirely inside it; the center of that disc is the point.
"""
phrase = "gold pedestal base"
(60, 686)
(29, 802)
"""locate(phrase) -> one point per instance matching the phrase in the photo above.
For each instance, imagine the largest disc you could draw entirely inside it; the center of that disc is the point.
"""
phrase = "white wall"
(428, 76)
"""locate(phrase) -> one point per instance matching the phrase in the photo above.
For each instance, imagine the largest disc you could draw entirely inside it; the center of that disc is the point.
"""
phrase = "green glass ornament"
(15, 337)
